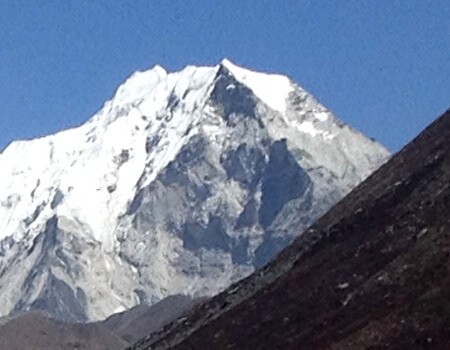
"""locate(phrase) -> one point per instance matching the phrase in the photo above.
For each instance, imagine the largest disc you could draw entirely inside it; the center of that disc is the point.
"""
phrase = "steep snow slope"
(182, 183)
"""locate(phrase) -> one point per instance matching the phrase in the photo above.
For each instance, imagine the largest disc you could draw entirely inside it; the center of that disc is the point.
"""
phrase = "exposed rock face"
(182, 183)
(372, 273)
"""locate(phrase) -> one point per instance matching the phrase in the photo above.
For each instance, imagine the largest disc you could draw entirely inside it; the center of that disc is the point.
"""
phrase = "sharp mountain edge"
(183, 183)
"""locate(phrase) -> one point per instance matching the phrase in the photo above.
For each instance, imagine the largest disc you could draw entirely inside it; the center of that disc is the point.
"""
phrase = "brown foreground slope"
(37, 331)
(133, 324)
(372, 273)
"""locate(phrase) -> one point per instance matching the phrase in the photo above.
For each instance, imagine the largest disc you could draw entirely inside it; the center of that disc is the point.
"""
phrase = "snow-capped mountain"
(181, 184)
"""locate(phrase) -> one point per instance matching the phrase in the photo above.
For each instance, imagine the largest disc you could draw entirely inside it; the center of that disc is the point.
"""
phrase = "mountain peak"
(228, 64)
(181, 179)
(139, 84)
(272, 89)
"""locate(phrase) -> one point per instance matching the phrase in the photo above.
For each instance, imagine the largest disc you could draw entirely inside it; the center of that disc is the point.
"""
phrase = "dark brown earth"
(134, 324)
(373, 273)
(37, 331)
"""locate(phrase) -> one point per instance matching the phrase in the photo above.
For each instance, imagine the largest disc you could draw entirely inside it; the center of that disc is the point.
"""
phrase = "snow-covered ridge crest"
(273, 89)
(181, 179)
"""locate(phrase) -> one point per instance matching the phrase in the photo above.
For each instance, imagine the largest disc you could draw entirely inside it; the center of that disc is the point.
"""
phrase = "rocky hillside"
(36, 330)
(373, 273)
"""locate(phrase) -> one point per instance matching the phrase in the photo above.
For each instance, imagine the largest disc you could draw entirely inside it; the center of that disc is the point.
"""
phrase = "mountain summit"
(183, 182)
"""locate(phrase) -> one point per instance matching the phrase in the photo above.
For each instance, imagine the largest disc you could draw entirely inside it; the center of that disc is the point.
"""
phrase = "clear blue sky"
(383, 66)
